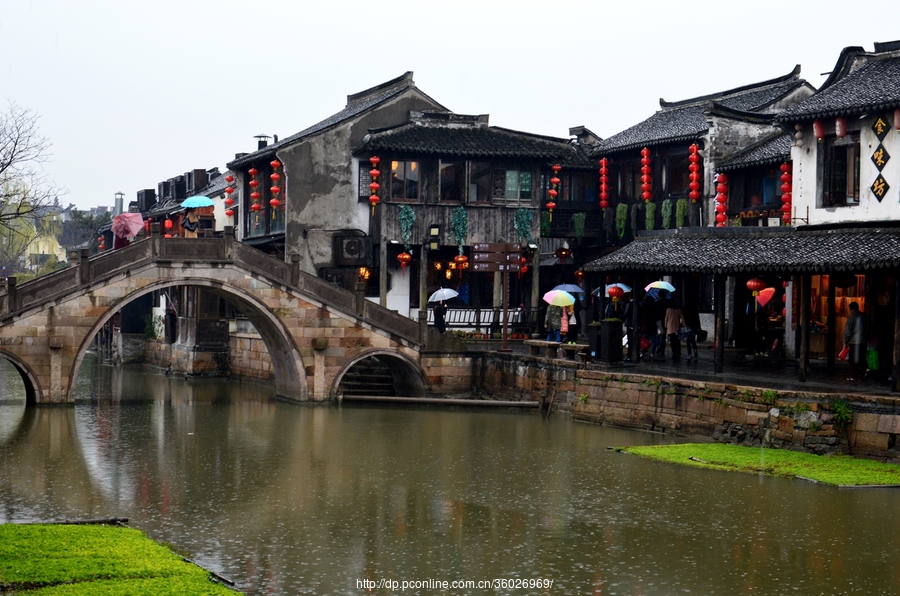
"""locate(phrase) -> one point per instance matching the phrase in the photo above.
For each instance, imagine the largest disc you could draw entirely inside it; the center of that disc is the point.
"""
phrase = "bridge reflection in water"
(286, 498)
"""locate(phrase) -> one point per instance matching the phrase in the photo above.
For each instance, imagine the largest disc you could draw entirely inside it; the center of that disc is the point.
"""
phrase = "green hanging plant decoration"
(621, 219)
(578, 225)
(459, 224)
(407, 218)
(650, 216)
(681, 210)
(667, 214)
(545, 223)
(523, 220)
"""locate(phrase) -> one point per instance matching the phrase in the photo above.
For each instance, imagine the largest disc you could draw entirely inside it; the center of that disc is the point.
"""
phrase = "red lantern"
(229, 202)
(787, 194)
(275, 164)
(646, 175)
(229, 178)
(274, 203)
(840, 127)
(255, 195)
(275, 190)
(100, 239)
(256, 207)
(694, 168)
(579, 275)
(819, 129)
(374, 173)
(562, 254)
(460, 261)
(147, 226)
(721, 200)
(275, 176)
(374, 160)
(253, 172)
(168, 224)
(553, 192)
(604, 183)
(253, 183)
(229, 190)
(404, 258)
(373, 199)
(615, 293)
(756, 285)
(229, 212)
(374, 186)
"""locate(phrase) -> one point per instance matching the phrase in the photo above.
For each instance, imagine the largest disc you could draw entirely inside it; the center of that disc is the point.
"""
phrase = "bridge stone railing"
(85, 271)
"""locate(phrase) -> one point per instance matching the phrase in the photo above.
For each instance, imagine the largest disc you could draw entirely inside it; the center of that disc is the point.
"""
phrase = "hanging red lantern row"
(819, 129)
(523, 266)
(254, 195)
(646, 179)
(787, 195)
(461, 262)
(101, 246)
(374, 186)
(229, 190)
(694, 169)
(721, 200)
(554, 189)
(275, 177)
(604, 183)
(404, 258)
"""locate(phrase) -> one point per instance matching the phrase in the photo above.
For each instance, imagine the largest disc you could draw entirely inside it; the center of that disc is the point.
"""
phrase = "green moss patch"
(839, 470)
(94, 559)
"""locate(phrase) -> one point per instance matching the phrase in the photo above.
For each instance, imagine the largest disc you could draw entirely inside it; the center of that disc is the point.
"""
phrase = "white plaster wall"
(869, 208)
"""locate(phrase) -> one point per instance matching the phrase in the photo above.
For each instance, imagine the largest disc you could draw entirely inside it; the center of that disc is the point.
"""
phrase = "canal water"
(297, 499)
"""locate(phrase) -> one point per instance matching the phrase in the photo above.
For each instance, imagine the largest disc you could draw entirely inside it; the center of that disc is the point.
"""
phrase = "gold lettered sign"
(880, 187)
(880, 128)
(880, 157)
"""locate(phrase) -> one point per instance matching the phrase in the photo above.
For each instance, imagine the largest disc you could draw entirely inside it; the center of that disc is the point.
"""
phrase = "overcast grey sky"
(132, 93)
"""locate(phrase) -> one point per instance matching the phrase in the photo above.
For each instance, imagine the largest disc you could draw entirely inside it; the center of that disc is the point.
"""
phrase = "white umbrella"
(443, 294)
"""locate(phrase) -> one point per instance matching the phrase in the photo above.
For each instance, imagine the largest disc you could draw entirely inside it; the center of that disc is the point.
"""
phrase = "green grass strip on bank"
(58, 559)
(839, 470)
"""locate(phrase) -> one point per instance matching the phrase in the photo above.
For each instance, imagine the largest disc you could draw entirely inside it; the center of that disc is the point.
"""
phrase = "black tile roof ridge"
(756, 154)
(795, 73)
(404, 80)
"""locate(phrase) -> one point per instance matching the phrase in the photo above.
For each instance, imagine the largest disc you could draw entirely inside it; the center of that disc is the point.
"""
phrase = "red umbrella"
(127, 225)
(765, 295)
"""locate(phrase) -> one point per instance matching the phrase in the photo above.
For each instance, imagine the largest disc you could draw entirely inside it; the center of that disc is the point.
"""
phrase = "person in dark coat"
(553, 322)
(440, 311)
(692, 320)
(856, 337)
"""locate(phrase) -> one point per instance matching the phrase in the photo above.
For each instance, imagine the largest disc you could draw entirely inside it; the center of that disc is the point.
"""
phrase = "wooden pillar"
(805, 288)
(382, 257)
(719, 307)
(895, 368)
(831, 340)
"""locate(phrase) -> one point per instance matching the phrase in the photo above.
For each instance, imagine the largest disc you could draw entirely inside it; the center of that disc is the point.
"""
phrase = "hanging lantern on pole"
(694, 169)
(604, 183)
(646, 178)
(461, 263)
(554, 186)
(721, 200)
(615, 292)
(254, 183)
(756, 285)
(374, 186)
(786, 193)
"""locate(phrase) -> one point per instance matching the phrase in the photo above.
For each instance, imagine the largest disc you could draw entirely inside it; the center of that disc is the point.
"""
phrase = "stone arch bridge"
(314, 331)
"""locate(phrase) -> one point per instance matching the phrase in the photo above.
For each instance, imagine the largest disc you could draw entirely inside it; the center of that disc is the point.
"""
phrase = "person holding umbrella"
(440, 311)
(190, 223)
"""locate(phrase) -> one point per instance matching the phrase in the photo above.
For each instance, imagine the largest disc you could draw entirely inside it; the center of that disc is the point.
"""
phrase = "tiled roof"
(744, 250)
(769, 151)
(686, 120)
(467, 141)
(356, 105)
(873, 86)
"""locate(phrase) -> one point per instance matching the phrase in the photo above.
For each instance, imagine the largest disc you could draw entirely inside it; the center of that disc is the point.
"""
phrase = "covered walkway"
(794, 254)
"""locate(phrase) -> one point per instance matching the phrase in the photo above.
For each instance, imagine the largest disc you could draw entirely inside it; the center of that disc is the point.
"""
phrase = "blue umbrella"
(570, 288)
(197, 201)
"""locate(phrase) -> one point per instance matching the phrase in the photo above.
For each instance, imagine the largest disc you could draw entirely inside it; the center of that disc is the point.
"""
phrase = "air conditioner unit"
(353, 251)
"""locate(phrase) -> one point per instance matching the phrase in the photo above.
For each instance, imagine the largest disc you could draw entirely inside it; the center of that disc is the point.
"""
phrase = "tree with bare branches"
(27, 196)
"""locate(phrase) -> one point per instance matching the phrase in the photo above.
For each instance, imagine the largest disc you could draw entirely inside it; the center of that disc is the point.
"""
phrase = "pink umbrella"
(127, 225)
(765, 295)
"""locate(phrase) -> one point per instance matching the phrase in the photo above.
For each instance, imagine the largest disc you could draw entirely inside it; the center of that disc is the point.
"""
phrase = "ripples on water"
(291, 499)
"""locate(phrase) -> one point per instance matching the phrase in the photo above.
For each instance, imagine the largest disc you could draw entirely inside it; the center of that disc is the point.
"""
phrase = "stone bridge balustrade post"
(228, 236)
(155, 237)
(423, 326)
(84, 266)
(12, 302)
(295, 269)
(360, 289)
(74, 257)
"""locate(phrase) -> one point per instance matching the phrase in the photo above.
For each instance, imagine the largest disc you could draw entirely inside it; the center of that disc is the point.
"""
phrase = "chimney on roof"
(274, 139)
(262, 141)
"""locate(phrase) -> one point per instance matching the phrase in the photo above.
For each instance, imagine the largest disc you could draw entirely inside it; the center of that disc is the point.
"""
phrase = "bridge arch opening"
(285, 359)
(381, 373)
(13, 372)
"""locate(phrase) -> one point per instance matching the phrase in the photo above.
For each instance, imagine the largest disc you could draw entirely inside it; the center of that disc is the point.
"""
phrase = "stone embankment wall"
(862, 425)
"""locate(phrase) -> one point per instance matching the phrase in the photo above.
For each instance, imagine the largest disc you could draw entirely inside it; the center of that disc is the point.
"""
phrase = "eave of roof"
(733, 251)
(773, 149)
